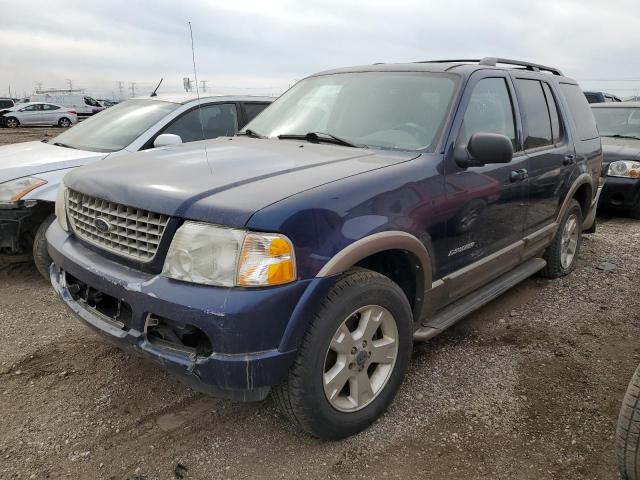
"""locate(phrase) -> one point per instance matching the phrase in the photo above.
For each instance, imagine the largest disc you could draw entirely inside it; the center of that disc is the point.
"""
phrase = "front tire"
(11, 122)
(41, 256)
(353, 357)
(563, 252)
(628, 431)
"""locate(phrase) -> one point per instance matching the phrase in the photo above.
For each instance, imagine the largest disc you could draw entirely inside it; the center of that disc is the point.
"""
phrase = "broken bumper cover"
(245, 327)
(620, 193)
(11, 225)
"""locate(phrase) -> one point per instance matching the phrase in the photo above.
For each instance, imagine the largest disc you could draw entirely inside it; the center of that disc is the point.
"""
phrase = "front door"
(488, 204)
(31, 115)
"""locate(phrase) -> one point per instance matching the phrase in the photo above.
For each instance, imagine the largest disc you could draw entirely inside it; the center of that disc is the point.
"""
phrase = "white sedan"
(37, 113)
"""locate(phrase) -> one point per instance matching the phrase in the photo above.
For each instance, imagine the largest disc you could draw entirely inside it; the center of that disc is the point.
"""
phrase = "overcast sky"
(264, 46)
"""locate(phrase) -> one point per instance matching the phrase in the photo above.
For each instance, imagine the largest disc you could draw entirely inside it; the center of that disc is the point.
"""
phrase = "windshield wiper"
(318, 137)
(617, 135)
(250, 133)
(58, 144)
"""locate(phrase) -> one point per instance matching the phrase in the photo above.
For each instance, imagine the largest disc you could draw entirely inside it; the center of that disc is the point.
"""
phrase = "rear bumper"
(246, 327)
(620, 193)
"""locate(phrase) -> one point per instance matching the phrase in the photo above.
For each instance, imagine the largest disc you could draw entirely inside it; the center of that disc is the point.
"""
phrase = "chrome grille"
(130, 232)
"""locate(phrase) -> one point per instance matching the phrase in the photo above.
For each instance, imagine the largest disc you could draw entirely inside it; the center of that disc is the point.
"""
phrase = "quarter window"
(535, 114)
(217, 121)
(580, 111)
(489, 111)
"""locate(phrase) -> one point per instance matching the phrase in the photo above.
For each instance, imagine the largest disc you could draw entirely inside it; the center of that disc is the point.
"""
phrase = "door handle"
(569, 159)
(519, 175)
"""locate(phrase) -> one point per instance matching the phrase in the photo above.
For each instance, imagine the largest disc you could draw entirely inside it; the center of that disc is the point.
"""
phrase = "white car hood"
(31, 158)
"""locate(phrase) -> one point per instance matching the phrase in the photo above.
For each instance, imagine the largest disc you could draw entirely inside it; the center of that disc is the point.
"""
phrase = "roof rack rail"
(493, 61)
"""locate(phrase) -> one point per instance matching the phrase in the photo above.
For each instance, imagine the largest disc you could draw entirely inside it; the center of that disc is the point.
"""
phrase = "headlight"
(14, 190)
(60, 209)
(213, 255)
(624, 168)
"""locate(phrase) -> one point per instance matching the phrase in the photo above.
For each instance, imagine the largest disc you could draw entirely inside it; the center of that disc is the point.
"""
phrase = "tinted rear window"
(580, 111)
(535, 113)
(6, 104)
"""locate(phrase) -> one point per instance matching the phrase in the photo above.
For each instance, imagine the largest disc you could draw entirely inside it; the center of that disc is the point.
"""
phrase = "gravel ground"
(528, 387)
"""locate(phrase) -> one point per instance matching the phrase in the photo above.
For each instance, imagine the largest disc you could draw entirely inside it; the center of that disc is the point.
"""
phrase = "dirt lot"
(526, 388)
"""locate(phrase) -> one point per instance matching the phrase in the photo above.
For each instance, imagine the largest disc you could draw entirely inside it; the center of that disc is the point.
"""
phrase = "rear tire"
(628, 431)
(11, 122)
(41, 256)
(64, 122)
(563, 252)
(322, 394)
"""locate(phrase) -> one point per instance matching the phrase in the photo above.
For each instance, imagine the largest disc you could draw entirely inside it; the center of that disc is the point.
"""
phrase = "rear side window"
(580, 111)
(556, 123)
(50, 107)
(535, 114)
(217, 121)
(6, 104)
(489, 111)
(253, 109)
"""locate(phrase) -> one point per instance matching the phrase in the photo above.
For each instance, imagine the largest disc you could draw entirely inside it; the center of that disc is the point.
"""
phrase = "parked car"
(6, 103)
(34, 113)
(619, 126)
(83, 104)
(305, 255)
(601, 97)
(30, 172)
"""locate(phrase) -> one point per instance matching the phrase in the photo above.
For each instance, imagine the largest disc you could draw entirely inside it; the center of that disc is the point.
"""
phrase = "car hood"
(31, 158)
(620, 149)
(230, 181)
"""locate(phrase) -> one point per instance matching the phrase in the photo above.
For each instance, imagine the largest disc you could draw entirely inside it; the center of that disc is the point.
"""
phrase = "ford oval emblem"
(102, 224)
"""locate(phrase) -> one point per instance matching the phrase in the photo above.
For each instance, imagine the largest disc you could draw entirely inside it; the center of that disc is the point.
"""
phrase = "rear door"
(549, 149)
(50, 114)
(487, 204)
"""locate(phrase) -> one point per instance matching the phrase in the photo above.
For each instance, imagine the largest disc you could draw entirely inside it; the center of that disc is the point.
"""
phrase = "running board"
(466, 305)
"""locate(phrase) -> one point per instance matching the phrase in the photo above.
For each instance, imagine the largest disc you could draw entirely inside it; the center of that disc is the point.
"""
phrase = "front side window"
(618, 122)
(32, 108)
(389, 110)
(535, 113)
(212, 121)
(489, 111)
(116, 127)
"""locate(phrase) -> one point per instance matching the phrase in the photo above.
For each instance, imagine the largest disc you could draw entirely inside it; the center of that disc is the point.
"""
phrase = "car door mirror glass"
(484, 148)
(167, 139)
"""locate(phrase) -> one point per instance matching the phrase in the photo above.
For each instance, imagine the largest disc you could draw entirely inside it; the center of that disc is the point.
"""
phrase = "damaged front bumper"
(220, 341)
(13, 224)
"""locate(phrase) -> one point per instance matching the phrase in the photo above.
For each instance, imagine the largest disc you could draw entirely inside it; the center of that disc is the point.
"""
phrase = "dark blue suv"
(366, 208)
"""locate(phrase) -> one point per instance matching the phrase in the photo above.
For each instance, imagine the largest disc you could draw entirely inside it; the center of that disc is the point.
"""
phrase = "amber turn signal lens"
(265, 260)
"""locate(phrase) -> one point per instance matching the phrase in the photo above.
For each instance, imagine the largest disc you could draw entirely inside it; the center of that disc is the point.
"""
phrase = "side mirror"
(167, 139)
(482, 149)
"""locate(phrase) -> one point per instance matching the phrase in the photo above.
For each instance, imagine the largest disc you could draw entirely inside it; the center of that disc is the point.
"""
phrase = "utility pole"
(132, 86)
(120, 88)
(204, 85)
(70, 83)
(10, 96)
(38, 87)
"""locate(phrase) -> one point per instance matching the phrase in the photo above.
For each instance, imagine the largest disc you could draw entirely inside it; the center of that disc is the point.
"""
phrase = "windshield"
(115, 128)
(391, 110)
(618, 121)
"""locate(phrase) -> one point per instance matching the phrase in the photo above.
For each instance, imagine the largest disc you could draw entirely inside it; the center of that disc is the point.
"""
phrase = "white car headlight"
(60, 208)
(624, 168)
(214, 255)
(14, 190)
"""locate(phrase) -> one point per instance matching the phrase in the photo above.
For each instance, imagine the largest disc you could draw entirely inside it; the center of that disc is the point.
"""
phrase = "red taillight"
(73, 112)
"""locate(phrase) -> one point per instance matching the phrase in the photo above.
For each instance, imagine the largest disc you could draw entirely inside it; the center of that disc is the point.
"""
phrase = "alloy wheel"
(360, 358)
(569, 241)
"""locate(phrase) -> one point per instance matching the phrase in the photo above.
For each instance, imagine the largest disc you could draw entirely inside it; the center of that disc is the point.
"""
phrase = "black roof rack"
(493, 61)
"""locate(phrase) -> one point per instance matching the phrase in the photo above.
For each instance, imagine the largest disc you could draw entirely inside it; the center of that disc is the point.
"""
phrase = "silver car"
(37, 113)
